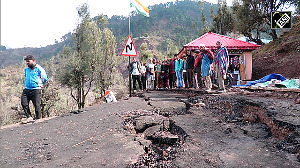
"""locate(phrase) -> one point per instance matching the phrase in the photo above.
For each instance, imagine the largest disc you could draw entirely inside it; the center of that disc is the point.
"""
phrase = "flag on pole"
(139, 7)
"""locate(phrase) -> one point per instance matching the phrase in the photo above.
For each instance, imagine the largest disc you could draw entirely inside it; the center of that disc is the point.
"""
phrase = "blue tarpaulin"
(265, 79)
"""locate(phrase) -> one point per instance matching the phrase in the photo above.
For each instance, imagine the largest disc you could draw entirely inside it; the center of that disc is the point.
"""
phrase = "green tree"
(92, 59)
(205, 25)
(145, 53)
(171, 48)
(223, 20)
(249, 18)
(168, 47)
(106, 63)
(254, 16)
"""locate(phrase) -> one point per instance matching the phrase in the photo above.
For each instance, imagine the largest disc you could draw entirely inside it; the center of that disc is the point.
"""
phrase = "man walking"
(35, 78)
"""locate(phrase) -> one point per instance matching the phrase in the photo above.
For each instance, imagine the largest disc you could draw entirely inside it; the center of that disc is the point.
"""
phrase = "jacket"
(172, 67)
(165, 68)
(178, 65)
(190, 62)
(131, 68)
(199, 58)
(35, 78)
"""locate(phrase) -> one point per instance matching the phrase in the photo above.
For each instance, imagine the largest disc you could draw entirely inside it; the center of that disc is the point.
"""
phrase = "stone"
(157, 135)
(150, 132)
(130, 128)
(297, 100)
(144, 142)
(144, 122)
(166, 124)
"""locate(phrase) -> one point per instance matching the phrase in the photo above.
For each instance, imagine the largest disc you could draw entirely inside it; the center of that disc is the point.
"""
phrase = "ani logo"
(281, 20)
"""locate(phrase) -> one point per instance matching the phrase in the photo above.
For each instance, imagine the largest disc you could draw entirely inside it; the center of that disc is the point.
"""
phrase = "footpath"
(157, 129)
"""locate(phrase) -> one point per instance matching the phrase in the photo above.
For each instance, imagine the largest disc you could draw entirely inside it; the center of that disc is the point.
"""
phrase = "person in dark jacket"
(172, 74)
(184, 72)
(190, 68)
(165, 73)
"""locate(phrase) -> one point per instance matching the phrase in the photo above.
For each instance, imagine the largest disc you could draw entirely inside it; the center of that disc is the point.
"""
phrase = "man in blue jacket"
(35, 78)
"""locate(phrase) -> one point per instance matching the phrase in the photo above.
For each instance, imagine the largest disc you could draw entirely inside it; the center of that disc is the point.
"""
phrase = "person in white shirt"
(135, 72)
(150, 75)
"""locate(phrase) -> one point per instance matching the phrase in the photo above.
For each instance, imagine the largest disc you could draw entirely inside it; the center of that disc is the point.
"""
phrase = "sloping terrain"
(281, 56)
(163, 129)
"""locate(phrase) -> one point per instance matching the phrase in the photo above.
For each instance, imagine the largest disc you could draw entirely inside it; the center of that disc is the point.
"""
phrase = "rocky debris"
(77, 111)
(144, 142)
(260, 92)
(297, 100)
(143, 122)
(158, 135)
(130, 127)
(274, 119)
(136, 113)
(35, 151)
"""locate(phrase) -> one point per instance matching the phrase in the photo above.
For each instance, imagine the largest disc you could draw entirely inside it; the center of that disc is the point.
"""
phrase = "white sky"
(36, 23)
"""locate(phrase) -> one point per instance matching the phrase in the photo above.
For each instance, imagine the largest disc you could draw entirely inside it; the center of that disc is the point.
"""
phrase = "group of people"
(186, 72)
(192, 70)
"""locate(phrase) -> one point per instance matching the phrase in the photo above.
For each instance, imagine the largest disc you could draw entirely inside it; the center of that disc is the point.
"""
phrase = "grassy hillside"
(178, 22)
(281, 56)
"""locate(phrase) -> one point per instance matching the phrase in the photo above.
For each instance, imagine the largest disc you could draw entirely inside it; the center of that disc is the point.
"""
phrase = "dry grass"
(56, 97)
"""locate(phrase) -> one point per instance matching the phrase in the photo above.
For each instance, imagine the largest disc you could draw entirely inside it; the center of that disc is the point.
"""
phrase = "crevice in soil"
(160, 137)
(243, 111)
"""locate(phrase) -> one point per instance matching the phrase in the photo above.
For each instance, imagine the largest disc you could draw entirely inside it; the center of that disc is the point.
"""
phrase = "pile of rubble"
(158, 135)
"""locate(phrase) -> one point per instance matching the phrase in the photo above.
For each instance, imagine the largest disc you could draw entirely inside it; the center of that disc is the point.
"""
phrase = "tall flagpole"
(129, 58)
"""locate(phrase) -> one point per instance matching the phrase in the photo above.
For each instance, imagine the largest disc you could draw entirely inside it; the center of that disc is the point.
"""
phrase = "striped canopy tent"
(210, 39)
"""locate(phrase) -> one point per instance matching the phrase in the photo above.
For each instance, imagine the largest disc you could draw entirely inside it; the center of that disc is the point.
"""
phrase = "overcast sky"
(36, 23)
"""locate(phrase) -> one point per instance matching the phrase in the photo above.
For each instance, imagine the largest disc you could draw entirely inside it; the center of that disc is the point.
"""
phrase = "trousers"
(190, 78)
(220, 78)
(138, 79)
(180, 82)
(34, 96)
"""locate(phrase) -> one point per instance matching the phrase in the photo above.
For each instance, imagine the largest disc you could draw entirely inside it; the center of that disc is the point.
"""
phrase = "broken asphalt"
(95, 137)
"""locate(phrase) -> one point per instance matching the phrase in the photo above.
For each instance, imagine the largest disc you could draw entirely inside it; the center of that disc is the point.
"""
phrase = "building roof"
(210, 39)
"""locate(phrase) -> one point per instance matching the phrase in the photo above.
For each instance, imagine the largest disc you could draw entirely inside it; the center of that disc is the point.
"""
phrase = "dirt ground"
(280, 56)
(235, 129)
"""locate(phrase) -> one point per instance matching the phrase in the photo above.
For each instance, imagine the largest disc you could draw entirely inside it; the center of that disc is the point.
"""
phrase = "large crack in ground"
(243, 111)
(162, 139)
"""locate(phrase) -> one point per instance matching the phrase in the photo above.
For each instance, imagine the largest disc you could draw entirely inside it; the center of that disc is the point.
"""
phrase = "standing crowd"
(195, 69)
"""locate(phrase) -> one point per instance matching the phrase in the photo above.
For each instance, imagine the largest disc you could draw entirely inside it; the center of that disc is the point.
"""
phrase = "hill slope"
(176, 21)
(15, 56)
(179, 21)
(281, 56)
